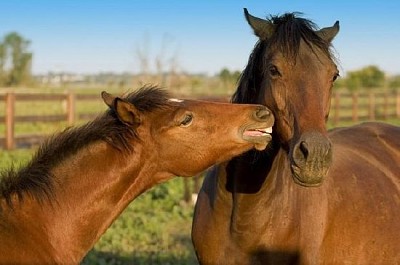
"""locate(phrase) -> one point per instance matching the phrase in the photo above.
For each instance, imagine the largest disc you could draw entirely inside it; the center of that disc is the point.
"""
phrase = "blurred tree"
(228, 77)
(2, 63)
(353, 81)
(372, 76)
(340, 83)
(367, 77)
(15, 60)
(236, 75)
(224, 76)
(394, 82)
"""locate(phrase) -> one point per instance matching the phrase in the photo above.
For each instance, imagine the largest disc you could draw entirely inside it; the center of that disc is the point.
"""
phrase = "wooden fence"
(362, 106)
(345, 107)
(12, 140)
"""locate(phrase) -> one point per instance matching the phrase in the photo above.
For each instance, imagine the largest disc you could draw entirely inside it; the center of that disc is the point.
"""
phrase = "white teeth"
(265, 130)
(175, 100)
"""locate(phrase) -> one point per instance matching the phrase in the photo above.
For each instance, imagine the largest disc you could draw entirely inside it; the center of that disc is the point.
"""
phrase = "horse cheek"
(279, 96)
(285, 119)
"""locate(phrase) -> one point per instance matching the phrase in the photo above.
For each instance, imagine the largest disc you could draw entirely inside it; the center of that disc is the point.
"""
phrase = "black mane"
(36, 179)
(290, 29)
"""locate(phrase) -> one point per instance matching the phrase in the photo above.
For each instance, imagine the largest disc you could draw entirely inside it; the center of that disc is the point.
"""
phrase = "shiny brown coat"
(54, 209)
(313, 197)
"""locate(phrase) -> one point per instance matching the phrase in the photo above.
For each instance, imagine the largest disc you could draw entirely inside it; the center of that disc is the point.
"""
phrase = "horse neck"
(251, 180)
(277, 205)
(92, 188)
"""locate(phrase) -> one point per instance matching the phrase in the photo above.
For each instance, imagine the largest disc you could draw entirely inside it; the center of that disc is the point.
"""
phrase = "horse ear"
(261, 27)
(329, 33)
(108, 99)
(126, 112)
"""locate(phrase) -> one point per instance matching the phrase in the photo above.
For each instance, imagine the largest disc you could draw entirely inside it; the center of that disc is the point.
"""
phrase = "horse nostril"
(262, 114)
(304, 149)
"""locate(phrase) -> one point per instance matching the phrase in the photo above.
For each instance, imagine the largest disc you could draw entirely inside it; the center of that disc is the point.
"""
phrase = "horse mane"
(290, 29)
(36, 179)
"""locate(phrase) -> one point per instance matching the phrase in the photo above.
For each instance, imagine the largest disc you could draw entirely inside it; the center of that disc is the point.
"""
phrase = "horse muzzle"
(259, 132)
(311, 158)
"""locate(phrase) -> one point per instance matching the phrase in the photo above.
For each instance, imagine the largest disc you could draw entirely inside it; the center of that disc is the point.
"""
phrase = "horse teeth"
(265, 130)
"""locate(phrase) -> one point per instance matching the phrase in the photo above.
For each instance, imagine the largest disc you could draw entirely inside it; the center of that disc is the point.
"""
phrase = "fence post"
(71, 108)
(355, 106)
(398, 104)
(9, 120)
(385, 105)
(337, 108)
(371, 105)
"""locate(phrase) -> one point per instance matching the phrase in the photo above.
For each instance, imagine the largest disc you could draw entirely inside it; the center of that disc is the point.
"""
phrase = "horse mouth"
(259, 136)
(298, 179)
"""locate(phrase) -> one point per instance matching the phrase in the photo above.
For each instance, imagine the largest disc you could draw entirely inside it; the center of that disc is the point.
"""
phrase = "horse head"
(291, 70)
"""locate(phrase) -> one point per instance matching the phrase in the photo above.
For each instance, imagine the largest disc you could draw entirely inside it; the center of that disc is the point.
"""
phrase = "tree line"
(15, 60)
(369, 77)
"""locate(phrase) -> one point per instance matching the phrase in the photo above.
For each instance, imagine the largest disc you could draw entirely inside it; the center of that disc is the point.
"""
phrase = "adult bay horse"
(54, 209)
(312, 197)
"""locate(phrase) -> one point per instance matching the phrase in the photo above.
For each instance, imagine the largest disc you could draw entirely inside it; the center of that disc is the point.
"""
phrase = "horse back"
(363, 188)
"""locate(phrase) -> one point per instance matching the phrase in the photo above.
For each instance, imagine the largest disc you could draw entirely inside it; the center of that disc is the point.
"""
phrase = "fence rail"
(345, 107)
(10, 118)
(362, 106)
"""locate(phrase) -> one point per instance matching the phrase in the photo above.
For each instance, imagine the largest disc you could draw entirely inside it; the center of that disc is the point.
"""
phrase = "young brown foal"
(55, 208)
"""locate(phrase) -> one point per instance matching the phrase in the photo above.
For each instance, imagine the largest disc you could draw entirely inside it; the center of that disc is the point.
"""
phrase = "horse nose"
(262, 114)
(311, 157)
(304, 149)
(314, 146)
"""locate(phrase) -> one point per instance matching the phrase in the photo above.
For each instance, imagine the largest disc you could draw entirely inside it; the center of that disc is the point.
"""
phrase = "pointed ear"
(108, 99)
(329, 33)
(126, 112)
(262, 28)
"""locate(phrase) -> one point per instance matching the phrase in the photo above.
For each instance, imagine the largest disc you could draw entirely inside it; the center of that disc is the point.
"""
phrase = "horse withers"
(313, 196)
(55, 208)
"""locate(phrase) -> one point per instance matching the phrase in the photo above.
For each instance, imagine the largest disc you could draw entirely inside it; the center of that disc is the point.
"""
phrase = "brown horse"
(54, 209)
(281, 206)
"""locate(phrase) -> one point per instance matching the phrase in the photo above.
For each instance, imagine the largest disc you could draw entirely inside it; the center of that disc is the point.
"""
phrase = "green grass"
(15, 157)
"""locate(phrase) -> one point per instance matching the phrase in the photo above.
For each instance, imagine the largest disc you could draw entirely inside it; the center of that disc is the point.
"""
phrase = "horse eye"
(335, 77)
(273, 71)
(187, 120)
